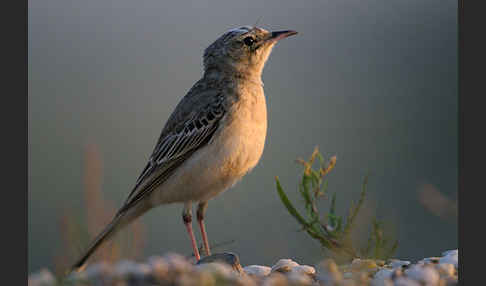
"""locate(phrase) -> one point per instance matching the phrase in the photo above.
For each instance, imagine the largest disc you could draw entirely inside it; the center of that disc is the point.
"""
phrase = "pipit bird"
(213, 138)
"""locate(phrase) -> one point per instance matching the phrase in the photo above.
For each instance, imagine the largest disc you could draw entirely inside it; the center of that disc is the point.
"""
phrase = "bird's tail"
(107, 232)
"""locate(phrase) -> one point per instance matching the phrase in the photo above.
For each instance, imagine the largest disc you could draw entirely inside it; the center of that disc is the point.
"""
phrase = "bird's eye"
(249, 41)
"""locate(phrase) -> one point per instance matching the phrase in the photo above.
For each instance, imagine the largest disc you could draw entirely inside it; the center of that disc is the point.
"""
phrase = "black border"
(471, 146)
(14, 119)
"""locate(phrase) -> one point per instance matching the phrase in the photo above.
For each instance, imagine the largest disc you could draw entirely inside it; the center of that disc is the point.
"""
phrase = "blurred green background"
(373, 82)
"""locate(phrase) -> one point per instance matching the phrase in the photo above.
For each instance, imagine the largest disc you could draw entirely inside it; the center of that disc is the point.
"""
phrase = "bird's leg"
(187, 218)
(201, 210)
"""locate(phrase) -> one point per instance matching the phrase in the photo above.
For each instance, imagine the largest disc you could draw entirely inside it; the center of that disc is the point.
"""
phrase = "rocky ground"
(225, 269)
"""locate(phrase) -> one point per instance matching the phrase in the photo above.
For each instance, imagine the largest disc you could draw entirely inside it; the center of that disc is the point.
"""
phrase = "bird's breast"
(243, 137)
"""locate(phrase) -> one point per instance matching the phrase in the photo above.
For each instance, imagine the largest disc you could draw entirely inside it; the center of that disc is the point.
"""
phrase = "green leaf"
(332, 209)
(288, 204)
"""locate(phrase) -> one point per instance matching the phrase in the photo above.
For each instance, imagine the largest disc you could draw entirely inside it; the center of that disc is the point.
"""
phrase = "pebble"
(284, 265)
(257, 270)
(100, 273)
(382, 278)
(449, 252)
(177, 263)
(404, 281)
(159, 267)
(396, 263)
(330, 273)
(227, 258)
(424, 274)
(41, 278)
(126, 268)
(450, 257)
(430, 260)
(363, 265)
(304, 269)
(219, 269)
(446, 269)
(296, 277)
(275, 279)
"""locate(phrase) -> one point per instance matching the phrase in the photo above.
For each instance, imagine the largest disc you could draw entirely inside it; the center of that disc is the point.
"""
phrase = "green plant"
(333, 231)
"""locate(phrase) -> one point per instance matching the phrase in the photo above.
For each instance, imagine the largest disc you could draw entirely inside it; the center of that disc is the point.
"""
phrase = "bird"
(215, 136)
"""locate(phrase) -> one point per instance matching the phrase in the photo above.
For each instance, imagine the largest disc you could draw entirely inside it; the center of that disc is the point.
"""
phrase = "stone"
(304, 269)
(219, 269)
(449, 252)
(432, 260)
(101, 273)
(299, 278)
(275, 279)
(227, 258)
(128, 272)
(244, 280)
(446, 269)
(363, 265)
(382, 278)
(423, 274)
(159, 268)
(347, 275)
(451, 257)
(284, 265)
(257, 270)
(404, 281)
(42, 278)
(380, 263)
(330, 273)
(395, 263)
(177, 263)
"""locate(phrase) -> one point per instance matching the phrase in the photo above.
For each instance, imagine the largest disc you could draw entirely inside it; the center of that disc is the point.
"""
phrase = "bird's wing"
(190, 127)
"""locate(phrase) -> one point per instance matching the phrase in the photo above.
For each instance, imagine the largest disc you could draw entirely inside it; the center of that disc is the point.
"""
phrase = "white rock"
(126, 268)
(395, 263)
(404, 281)
(329, 273)
(155, 259)
(304, 269)
(159, 267)
(446, 269)
(299, 278)
(274, 279)
(448, 252)
(217, 268)
(177, 262)
(427, 260)
(347, 282)
(425, 274)
(347, 275)
(451, 257)
(246, 280)
(41, 278)
(257, 270)
(99, 273)
(284, 265)
(382, 278)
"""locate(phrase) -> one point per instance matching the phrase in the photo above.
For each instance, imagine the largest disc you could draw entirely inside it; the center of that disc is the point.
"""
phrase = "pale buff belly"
(233, 151)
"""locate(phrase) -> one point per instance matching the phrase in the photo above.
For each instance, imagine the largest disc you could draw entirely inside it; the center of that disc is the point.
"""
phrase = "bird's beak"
(278, 35)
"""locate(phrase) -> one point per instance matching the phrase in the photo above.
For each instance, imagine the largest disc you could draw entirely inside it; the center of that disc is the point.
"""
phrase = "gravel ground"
(225, 269)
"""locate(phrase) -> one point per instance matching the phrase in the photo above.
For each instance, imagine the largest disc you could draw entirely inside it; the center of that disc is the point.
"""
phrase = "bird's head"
(243, 50)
